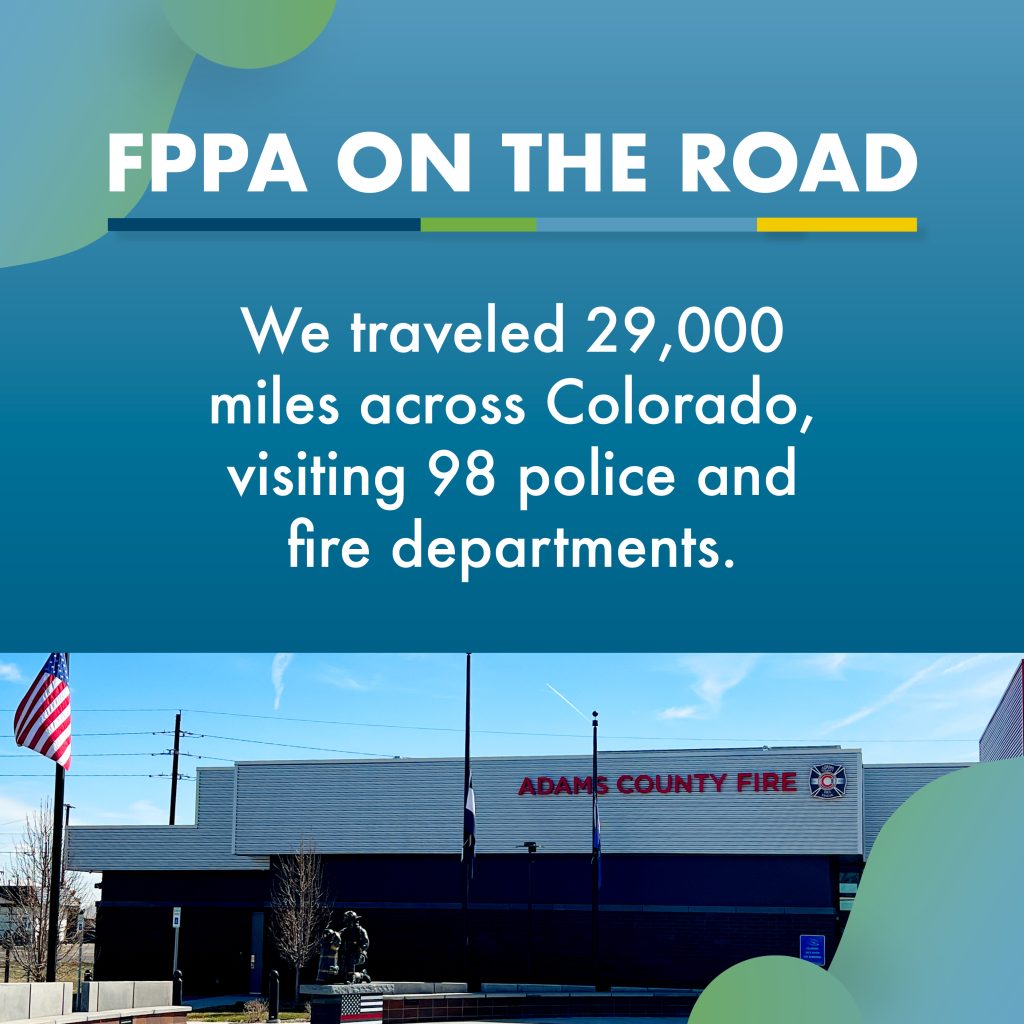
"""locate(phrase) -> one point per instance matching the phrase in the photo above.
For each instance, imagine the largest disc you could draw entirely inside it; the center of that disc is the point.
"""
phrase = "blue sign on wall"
(812, 949)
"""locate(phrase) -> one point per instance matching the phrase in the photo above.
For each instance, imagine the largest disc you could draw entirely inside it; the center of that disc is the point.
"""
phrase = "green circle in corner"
(775, 990)
(248, 33)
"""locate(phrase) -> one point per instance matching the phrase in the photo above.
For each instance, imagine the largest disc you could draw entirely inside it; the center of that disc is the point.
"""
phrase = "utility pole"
(174, 765)
(81, 941)
(68, 808)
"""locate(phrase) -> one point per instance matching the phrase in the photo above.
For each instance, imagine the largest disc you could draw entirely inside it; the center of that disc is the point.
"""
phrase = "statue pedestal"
(340, 1004)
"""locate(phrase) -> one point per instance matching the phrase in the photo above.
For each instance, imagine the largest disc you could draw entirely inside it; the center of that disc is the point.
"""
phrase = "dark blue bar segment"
(263, 224)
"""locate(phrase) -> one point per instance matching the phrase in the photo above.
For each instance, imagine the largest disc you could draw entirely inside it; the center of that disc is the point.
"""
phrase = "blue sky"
(896, 707)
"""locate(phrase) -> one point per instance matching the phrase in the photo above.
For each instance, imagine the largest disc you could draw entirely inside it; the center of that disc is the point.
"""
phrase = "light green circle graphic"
(248, 33)
(775, 990)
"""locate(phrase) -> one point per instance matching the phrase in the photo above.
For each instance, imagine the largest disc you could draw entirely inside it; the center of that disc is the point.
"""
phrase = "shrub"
(255, 1011)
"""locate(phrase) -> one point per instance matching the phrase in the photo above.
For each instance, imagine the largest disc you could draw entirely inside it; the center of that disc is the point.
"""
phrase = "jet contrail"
(562, 696)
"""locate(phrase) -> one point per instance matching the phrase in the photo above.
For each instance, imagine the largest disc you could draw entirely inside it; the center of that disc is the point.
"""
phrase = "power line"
(146, 732)
(80, 735)
(293, 746)
(757, 741)
(554, 735)
(93, 775)
(144, 753)
(136, 753)
(105, 711)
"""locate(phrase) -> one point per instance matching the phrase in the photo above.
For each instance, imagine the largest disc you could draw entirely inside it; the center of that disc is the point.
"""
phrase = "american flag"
(362, 1006)
(597, 841)
(43, 719)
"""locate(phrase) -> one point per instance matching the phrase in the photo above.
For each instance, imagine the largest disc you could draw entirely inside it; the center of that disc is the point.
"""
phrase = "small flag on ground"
(469, 828)
(362, 1006)
(43, 720)
(597, 841)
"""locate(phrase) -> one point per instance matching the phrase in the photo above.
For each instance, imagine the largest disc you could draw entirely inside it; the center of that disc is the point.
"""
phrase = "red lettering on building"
(645, 784)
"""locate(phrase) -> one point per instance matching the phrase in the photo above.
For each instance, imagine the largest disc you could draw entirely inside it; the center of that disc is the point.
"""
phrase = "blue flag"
(597, 841)
(469, 828)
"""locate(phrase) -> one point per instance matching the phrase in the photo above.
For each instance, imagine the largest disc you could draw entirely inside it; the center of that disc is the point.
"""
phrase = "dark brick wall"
(667, 921)
(411, 1010)
(138, 943)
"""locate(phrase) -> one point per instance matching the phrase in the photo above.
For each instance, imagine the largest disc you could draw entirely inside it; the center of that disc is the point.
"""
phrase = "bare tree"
(30, 898)
(299, 908)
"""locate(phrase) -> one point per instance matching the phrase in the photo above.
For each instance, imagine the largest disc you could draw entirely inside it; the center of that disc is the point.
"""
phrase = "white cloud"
(15, 811)
(965, 709)
(891, 697)
(970, 662)
(689, 711)
(138, 812)
(341, 679)
(951, 696)
(9, 672)
(716, 676)
(829, 664)
(277, 670)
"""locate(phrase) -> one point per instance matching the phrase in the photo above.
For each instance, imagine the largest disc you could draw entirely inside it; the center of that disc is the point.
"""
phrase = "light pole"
(531, 848)
(68, 808)
(81, 939)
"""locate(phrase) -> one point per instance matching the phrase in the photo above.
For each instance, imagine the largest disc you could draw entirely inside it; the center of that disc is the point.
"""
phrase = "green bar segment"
(479, 224)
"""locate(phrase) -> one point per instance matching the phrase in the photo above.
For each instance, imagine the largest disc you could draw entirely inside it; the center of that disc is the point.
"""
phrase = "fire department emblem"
(828, 781)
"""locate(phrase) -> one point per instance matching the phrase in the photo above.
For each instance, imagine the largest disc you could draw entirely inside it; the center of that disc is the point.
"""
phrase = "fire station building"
(709, 857)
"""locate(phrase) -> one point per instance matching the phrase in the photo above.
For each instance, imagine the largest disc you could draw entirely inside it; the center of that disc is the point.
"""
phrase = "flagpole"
(466, 854)
(595, 869)
(56, 861)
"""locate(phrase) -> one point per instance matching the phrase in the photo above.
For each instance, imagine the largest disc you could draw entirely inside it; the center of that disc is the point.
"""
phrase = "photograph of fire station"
(609, 866)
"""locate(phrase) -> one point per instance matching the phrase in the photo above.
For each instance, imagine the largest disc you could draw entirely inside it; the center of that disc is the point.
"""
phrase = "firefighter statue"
(343, 953)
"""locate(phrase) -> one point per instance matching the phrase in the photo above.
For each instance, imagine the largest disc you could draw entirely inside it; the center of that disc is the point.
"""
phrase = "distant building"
(15, 918)
(21, 914)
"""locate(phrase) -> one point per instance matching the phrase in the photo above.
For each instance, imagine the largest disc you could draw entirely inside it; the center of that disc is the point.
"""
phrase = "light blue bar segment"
(678, 225)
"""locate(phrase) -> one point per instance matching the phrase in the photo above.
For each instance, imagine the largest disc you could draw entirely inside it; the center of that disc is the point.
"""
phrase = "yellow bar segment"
(805, 224)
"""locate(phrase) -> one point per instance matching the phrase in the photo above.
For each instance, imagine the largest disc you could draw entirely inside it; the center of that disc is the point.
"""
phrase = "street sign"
(812, 949)
(176, 925)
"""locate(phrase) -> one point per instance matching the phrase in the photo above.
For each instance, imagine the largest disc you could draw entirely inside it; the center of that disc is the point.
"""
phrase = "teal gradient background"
(905, 531)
